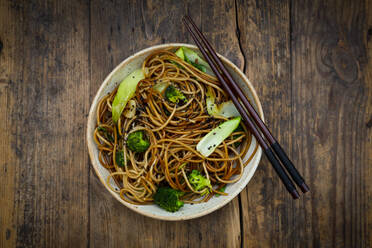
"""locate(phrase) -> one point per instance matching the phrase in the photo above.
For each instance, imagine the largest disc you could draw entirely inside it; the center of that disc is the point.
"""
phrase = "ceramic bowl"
(188, 211)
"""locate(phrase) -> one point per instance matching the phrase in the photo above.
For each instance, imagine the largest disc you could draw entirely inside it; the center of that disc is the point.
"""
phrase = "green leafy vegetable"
(194, 59)
(221, 190)
(214, 138)
(160, 87)
(106, 134)
(228, 110)
(137, 141)
(180, 53)
(119, 158)
(212, 107)
(168, 199)
(174, 95)
(102, 129)
(126, 90)
(225, 109)
(238, 129)
(130, 109)
(198, 181)
(197, 66)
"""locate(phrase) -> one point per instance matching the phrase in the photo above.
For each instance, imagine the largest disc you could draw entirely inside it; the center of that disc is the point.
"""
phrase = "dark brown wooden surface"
(310, 62)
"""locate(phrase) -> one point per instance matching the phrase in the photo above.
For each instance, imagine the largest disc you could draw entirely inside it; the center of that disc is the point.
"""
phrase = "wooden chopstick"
(228, 83)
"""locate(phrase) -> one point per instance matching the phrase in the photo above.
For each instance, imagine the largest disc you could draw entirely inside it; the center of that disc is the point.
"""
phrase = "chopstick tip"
(304, 188)
(295, 194)
(185, 17)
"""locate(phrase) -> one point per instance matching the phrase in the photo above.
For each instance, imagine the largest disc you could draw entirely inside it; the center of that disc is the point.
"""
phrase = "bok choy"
(214, 138)
(225, 109)
(194, 59)
(125, 92)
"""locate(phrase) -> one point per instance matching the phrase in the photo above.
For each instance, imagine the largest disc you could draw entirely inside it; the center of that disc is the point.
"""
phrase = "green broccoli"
(198, 181)
(168, 199)
(137, 141)
(174, 95)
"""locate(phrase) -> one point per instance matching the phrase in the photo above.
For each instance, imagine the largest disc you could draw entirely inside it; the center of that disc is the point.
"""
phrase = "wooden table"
(310, 62)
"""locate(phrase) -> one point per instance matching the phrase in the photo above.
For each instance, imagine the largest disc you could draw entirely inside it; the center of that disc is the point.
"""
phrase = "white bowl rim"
(92, 121)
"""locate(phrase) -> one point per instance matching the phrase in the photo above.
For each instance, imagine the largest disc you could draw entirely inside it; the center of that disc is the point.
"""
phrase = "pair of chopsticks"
(242, 104)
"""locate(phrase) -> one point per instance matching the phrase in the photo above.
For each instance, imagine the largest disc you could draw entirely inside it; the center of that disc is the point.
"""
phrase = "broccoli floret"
(137, 141)
(174, 95)
(168, 199)
(198, 181)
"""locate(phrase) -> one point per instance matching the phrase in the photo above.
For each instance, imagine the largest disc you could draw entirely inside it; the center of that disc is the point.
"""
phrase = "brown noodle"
(173, 131)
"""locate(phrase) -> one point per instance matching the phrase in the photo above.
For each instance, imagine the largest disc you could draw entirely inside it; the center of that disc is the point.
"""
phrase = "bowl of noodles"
(165, 139)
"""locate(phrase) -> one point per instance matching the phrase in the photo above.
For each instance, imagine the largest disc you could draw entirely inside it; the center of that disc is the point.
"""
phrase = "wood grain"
(45, 79)
(330, 99)
(265, 41)
(366, 74)
(8, 162)
(323, 109)
(310, 62)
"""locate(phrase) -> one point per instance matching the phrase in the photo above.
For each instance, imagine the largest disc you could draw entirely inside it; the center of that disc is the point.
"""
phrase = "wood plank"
(331, 96)
(9, 42)
(265, 40)
(118, 30)
(366, 194)
(46, 78)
